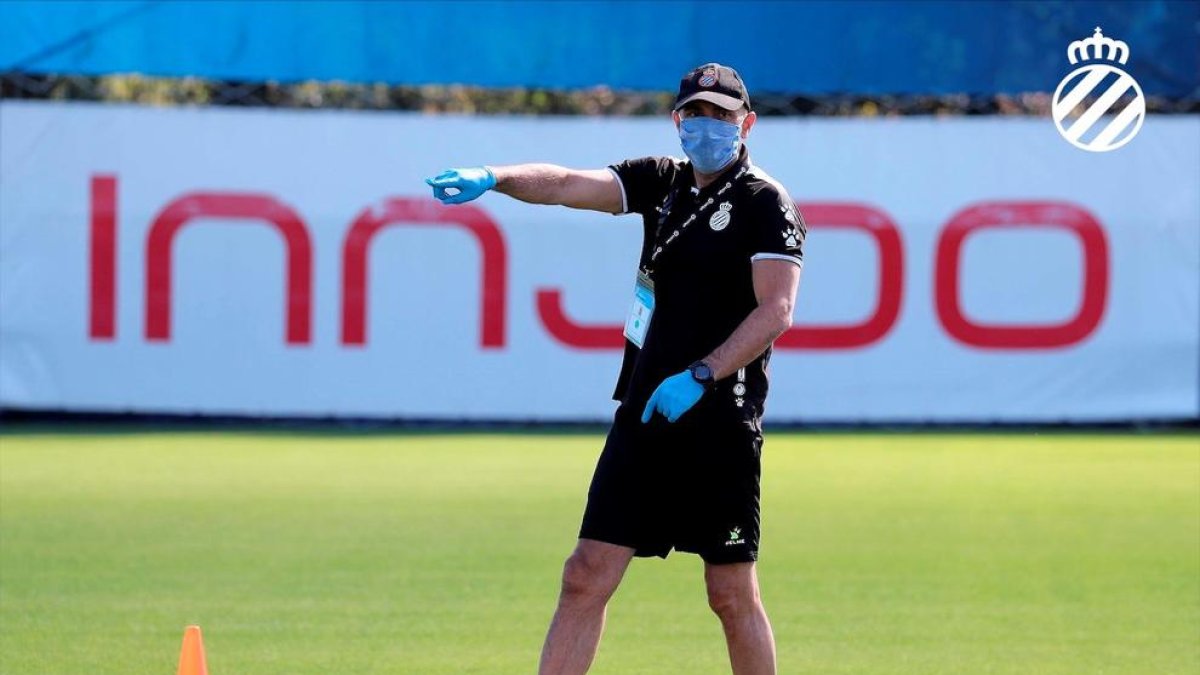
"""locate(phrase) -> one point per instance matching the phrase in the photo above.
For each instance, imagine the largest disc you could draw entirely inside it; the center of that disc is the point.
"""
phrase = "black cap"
(715, 83)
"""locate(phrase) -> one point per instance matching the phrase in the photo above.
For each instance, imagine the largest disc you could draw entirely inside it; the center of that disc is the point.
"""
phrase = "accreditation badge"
(637, 324)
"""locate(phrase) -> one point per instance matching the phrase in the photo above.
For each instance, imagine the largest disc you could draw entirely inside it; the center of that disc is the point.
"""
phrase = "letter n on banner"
(264, 208)
(411, 212)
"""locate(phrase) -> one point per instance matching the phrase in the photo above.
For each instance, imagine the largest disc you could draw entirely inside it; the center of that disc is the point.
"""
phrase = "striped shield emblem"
(1098, 107)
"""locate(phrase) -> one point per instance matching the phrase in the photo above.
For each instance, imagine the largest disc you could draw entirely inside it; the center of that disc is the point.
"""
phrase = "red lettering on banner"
(425, 212)
(228, 205)
(102, 323)
(562, 328)
(890, 288)
(1009, 215)
(550, 302)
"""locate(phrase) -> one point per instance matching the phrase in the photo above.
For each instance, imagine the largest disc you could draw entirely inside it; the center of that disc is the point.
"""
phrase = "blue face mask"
(710, 143)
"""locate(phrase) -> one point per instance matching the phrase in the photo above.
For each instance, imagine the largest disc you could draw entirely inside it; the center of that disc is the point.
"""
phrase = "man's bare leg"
(590, 576)
(733, 595)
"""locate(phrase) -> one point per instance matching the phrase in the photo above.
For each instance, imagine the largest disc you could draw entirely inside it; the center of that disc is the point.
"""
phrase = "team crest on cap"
(708, 78)
(720, 218)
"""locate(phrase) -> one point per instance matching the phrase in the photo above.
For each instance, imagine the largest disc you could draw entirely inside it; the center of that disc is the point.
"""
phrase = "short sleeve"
(644, 182)
(779, 229)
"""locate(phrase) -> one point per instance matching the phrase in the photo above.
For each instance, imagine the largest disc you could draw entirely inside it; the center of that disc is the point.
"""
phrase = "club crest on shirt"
(720, 217)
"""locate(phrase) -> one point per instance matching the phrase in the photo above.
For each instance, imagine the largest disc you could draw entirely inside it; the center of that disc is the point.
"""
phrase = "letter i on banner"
(102, 290)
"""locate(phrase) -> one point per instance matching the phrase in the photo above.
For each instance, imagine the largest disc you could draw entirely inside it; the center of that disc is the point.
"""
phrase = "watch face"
(702, 373)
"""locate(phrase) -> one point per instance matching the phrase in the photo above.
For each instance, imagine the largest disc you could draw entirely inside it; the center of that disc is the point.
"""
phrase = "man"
(719, 268)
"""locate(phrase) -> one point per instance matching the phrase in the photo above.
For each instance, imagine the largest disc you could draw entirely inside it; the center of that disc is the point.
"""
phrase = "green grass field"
(423, 553)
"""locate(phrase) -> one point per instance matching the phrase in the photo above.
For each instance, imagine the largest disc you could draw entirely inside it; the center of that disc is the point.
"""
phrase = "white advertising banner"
(293, 263)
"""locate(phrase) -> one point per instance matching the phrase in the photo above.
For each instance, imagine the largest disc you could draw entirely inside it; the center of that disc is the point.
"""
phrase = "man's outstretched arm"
(596, 190)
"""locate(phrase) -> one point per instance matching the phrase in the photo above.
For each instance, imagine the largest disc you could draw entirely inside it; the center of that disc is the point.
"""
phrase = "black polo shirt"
(703, 284)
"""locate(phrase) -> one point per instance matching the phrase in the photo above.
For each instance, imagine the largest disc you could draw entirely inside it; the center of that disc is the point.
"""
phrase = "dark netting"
(524, 101)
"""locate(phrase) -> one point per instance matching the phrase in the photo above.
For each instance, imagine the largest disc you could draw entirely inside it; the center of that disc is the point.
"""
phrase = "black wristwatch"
(702, 374)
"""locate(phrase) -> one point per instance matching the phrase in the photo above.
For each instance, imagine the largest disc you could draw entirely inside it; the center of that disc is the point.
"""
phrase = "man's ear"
(675, 118)
(748, 122)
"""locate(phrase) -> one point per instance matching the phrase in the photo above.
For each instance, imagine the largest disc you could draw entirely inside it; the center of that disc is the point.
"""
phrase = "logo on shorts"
(720, 218)
(1098, 107)
(708, 78)
(735, 537)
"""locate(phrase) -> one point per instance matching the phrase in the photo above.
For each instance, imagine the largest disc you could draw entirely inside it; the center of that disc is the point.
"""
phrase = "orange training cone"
(191, 658)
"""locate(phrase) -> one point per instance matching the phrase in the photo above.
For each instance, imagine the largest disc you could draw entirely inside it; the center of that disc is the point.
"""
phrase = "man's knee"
(587, 577)
(731, 597)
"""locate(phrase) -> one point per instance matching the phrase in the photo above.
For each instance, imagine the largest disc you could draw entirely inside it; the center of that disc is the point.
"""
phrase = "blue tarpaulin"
(979, 47)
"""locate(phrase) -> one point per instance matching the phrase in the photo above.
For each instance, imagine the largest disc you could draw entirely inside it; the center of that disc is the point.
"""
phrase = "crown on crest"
(1097, 45)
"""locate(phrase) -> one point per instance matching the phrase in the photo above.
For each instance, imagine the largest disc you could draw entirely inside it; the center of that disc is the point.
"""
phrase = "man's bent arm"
(597, 190)
(775, 284)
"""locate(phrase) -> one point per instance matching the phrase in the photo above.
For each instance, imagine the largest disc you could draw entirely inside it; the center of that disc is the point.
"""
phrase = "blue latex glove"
(467, 184)
(675, 396)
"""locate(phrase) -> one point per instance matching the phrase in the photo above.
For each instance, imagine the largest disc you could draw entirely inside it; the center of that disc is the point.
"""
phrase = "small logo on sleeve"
(791, 237)
(735, 537)
(789, 214)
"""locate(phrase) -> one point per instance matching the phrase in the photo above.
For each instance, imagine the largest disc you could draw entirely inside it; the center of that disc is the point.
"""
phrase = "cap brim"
(723, 100)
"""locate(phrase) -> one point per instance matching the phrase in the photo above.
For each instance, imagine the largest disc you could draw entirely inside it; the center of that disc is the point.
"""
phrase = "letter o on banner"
(1009, 215)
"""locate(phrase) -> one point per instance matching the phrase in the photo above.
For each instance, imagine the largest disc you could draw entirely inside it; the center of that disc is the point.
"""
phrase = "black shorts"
(690, 486)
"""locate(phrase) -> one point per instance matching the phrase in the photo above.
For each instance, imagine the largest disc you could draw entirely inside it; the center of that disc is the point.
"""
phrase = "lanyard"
(649, 269)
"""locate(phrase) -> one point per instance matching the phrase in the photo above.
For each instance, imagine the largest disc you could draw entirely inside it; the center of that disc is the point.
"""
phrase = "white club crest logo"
(720, 218)
(1098, 107)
